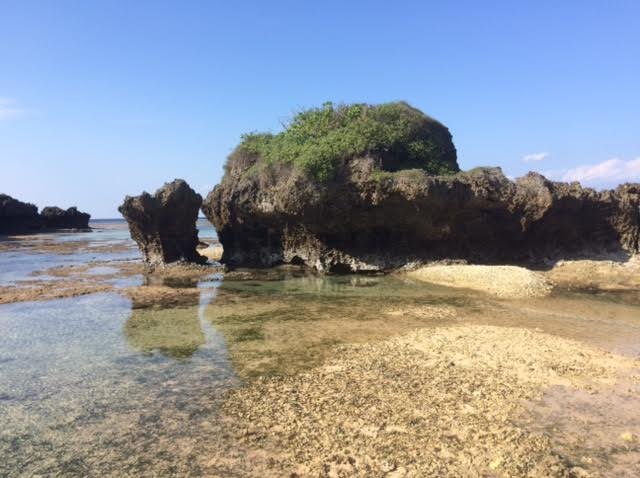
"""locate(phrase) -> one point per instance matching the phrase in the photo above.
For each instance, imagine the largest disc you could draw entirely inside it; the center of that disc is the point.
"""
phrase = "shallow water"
(588, 427)
(109, 241)
(93, 386)
(89, 387)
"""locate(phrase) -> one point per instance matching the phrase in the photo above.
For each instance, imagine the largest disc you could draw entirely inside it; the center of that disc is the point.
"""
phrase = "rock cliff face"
(164, 225)
(368, 220)
(20, 217)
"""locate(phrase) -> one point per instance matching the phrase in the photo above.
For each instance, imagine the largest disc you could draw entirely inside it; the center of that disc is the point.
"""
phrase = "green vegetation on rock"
(318, 140)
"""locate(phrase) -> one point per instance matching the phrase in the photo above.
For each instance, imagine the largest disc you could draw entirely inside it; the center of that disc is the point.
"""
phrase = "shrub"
(317, 140)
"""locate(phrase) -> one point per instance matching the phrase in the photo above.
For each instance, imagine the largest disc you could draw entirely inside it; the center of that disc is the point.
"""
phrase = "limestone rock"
(164, 225)
(56, 218)
(363, 221)
(17, 216)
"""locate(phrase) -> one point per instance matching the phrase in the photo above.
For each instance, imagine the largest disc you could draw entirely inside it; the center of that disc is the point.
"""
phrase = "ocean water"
(94, 386)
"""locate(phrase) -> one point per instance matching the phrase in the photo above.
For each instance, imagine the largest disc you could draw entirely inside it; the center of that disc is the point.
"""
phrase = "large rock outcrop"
(363, 220)
(164, 225)
(19, 217)
(365, 188)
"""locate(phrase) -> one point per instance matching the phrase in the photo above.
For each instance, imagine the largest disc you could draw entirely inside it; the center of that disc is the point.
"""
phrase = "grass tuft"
(316, 141)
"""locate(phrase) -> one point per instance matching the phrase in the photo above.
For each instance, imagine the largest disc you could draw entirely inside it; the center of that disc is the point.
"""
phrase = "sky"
(103, 99)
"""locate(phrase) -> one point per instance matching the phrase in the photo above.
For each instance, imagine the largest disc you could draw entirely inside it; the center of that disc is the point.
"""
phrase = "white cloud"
(8, 110)
(535, 157)
(611, 171)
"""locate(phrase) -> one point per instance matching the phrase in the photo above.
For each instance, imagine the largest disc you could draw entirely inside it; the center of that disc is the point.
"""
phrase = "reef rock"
(56, 218)
(373, 188)
(17, 216)
(20, 217)
(164, 225)
(364, 221)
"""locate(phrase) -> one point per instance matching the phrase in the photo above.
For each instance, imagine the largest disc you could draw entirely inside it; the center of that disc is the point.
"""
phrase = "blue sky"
(103, 99)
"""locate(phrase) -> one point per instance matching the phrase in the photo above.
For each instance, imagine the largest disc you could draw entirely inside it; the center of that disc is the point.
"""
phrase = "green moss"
(480, 169)
(317, 140)
(379, 175)
(477, 169)
(413, 174)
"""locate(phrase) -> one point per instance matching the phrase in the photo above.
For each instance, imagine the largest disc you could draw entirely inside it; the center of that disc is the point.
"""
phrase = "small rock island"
(363, 187)
(17, 217)
(164, 225)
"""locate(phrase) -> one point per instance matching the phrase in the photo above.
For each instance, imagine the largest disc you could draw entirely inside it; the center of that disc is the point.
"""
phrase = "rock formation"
(20, 217)
(56, 218)
(370, 217)
(164, 225)
(360, 222)
(17, 216)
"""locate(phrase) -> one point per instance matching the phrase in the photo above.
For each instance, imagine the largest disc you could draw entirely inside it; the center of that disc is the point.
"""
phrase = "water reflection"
(175, 332)
(284, 326)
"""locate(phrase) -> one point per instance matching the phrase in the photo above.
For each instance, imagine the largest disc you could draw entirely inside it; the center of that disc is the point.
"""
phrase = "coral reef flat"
(501, 281)
(435, 402)
(194, 370)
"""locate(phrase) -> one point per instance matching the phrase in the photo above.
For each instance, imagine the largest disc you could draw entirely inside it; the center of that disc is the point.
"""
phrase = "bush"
(317, 140)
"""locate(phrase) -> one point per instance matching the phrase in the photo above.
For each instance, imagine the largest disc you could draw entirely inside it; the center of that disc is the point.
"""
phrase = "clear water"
(109, 241)
(91, 386)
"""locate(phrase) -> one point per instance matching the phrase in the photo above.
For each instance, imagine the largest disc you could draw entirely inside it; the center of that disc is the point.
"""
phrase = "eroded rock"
(17, 216)
(364, 221)
(164, 225)
(23, 218)
(378, 187)
(56, 218)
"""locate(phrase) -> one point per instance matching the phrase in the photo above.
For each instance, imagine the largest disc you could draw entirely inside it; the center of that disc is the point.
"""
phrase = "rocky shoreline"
(609, 273)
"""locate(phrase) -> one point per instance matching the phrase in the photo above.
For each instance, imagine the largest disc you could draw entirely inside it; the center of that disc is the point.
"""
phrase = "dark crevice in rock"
(340, 268)
(297, 261)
